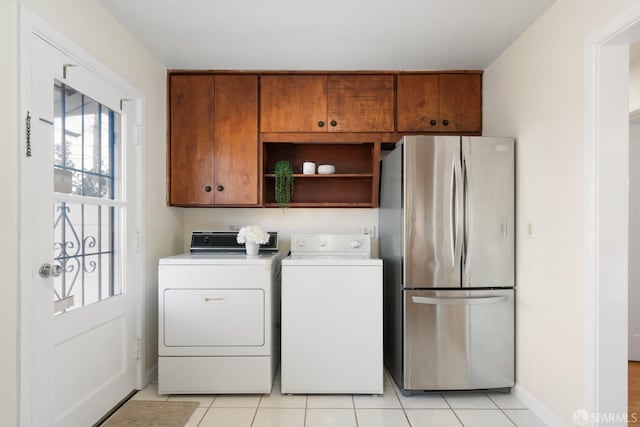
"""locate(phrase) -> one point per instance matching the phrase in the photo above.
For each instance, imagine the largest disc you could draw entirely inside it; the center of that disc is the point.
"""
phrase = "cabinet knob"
(445, 122)
(333, 123)
(207, 189)
(433, 122)
(320, 124)
(220, 188)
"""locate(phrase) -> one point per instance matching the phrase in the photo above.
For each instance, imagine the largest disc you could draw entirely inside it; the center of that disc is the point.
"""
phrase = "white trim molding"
(537, 407)
(606, 118)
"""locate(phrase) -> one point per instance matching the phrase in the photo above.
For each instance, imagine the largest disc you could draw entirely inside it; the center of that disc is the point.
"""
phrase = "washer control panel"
(346, 244)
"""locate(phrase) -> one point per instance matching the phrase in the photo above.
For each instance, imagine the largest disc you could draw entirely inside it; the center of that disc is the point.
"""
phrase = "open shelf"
(355, 183)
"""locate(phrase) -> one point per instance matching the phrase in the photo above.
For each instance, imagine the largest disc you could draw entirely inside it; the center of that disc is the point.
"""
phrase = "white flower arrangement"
(252, 234)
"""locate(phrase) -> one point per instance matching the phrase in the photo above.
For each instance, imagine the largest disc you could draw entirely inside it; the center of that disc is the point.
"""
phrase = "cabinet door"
(418, 103)
(440, 103)
(360, 103)
(461, 102)
(236, 140)
(191, 139)
(293, 103)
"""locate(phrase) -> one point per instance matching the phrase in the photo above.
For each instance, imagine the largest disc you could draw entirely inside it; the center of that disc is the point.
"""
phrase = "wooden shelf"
(326, 175)
(323, 205)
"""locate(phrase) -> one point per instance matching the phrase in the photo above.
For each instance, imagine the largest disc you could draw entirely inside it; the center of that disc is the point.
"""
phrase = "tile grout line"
(255, 413)
(306, 404)
(204, 415)
(455, 414)
(355, 413)
(501, 410)
(404, 412)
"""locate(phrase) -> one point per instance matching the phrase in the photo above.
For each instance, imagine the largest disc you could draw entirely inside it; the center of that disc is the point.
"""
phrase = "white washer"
(217, 315)
(332, 316)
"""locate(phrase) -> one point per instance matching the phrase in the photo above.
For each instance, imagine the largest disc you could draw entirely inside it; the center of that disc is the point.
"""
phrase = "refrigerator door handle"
(453, 217)
(458, 300)
(465, 213)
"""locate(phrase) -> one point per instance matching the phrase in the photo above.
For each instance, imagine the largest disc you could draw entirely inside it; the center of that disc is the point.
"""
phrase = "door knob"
(47, 270)
(320, 124)
(433, 122)
(333, 123)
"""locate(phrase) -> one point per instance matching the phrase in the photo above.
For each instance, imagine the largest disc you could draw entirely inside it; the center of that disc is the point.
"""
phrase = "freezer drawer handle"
(458, 300)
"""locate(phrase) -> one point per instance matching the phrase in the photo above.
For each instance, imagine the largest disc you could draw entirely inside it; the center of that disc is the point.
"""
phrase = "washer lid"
(329, 260)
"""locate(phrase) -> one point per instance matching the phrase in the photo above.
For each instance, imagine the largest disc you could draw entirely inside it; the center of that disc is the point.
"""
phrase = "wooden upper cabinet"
(461, 102)
(360, 103)
(327, 103)
(293, 103)
(213, 140)
(440, 103)
(191, 136)
(236, 140)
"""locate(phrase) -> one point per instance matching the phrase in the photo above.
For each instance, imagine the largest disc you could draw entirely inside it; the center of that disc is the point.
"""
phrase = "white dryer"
(332, 316)
(217, 318)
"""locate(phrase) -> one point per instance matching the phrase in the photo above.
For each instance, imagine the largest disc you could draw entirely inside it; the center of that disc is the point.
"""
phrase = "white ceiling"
(326, 34)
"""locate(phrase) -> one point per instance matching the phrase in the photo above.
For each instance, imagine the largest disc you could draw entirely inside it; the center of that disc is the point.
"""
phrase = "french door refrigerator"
(447, 240)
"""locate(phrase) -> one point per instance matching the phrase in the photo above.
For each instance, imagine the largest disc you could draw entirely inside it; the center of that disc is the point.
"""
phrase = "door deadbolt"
(47, 270)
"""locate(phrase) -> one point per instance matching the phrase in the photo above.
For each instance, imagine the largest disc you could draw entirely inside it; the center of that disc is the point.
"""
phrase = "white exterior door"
(78, 244)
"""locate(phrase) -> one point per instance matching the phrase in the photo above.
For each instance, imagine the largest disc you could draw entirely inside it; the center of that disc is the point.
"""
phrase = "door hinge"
(138, 241)
(123, 100)
(64, 69)
(28, 133)
(138, 349)
(138, 134)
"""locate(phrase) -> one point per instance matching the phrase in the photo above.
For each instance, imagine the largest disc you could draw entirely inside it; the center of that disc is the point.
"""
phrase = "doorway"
(607, 213)
(634, 253)
(80, 287)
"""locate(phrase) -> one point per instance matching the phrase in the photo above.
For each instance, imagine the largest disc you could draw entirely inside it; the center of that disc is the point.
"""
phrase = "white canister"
(308, 168)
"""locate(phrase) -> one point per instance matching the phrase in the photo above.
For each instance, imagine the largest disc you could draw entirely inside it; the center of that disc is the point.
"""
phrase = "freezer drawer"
(458, 340)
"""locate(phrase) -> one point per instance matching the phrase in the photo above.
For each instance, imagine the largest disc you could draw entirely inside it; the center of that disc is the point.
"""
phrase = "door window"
(88, 202)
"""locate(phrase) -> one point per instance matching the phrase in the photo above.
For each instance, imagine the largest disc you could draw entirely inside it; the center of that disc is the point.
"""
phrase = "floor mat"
(144, 413)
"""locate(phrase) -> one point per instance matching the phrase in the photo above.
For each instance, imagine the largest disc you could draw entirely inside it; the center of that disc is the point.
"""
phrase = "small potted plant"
(252, 236)
(284, 183)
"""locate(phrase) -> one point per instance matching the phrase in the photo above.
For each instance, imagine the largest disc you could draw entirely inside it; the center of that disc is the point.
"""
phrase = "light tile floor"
(389, 410)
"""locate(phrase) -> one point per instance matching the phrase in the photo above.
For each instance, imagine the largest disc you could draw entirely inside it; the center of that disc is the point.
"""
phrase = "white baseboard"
(537, 407)
(150, 376)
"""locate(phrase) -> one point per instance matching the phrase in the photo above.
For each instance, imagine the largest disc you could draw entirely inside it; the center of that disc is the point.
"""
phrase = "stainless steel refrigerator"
(447, 241)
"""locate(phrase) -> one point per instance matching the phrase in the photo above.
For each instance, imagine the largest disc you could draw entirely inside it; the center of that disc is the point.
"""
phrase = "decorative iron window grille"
(87, 209)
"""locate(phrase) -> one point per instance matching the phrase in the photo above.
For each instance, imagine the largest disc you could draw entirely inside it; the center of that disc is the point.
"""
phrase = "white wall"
(535, 91)
(90, 26)
(287, 222)
(634, 78)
